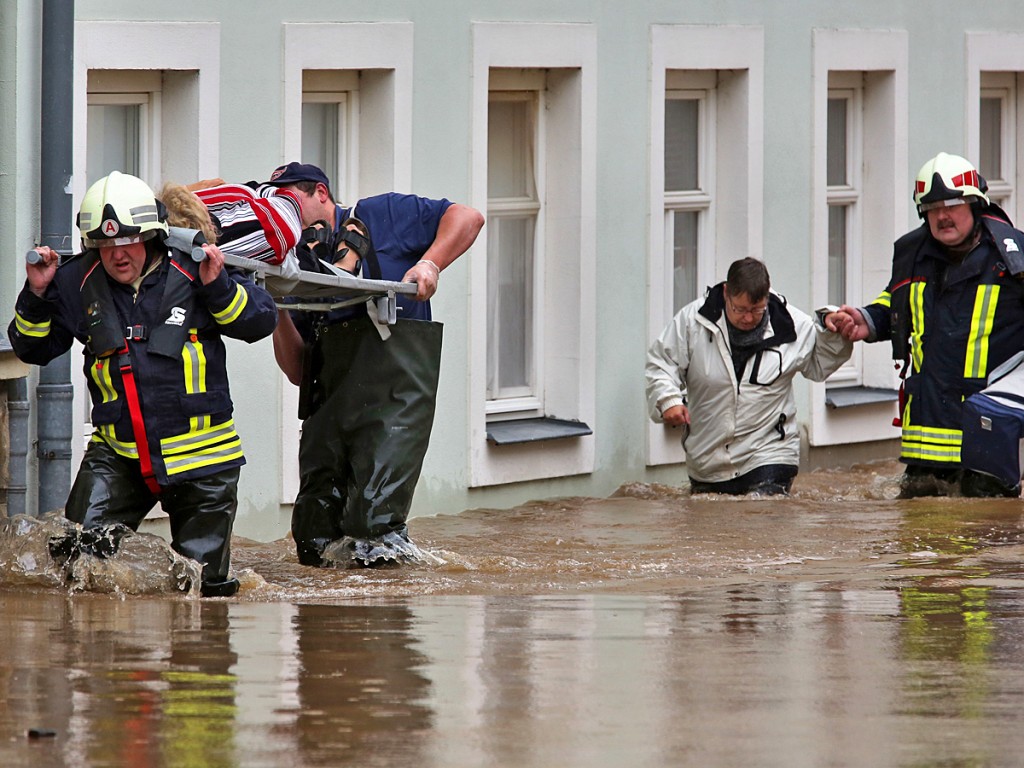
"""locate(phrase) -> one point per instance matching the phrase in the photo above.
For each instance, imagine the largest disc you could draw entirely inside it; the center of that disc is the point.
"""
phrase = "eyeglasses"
(755, 313)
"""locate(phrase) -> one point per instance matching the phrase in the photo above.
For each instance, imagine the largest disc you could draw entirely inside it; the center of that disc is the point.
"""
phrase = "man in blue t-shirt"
(368, 402)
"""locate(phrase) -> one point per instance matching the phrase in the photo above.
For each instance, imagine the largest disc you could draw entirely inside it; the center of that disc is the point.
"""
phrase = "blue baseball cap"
(295, 172)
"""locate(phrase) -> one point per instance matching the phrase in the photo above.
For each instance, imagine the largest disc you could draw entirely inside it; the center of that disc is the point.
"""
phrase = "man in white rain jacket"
(723, 370)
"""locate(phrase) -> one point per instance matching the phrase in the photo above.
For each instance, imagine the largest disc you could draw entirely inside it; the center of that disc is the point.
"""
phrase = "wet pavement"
(838, 627)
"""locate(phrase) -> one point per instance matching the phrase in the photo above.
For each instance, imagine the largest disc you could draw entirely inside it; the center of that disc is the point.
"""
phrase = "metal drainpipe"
(54, 391)
(17, 465)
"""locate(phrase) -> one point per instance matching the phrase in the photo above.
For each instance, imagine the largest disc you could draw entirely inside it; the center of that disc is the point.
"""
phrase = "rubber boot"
(222, 588)
(979, 485)
(202, 514)
(918, 481)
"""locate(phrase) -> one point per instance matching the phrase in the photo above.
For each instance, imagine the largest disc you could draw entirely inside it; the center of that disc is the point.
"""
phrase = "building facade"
(623, 155)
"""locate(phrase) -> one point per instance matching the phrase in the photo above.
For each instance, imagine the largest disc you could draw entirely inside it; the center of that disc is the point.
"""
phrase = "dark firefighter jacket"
(951, 324)
(174, 326)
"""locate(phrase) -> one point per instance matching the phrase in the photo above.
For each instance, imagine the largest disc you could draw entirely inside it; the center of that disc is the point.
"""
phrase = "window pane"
(836, 163)
(510, 306)
(510, 150)
(320, 143)
(991, 161)
(837, 254)
(681, 144)
(684, 258)
(113, 143)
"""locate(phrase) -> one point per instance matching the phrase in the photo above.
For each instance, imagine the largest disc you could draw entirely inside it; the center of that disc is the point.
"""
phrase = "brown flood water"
(839, 627)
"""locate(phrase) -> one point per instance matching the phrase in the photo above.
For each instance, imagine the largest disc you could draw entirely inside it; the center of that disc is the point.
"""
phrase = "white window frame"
(1003, 86)
(129, 92)
(379, 58)
(880, 59)
(730, 60)
(700, 87)
(849, 87)
(339, 87)
(177, 142)
(568, 53)
(996, 59)
(529, 401)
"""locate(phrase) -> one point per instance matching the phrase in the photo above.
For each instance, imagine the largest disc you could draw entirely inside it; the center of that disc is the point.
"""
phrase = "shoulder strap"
(104, 329)
(371, 265)
(131, 393)
(1010, 242)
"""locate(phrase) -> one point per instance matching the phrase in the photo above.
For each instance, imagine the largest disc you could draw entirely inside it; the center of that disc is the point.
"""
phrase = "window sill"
(10, 366)
(847, 397)
(534, 430)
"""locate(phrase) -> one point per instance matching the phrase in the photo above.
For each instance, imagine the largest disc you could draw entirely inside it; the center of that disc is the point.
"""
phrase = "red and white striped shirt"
(262, 223)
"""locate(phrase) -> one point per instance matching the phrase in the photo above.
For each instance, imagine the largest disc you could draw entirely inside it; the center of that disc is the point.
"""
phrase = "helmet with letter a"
(120, 209)
(948, 180)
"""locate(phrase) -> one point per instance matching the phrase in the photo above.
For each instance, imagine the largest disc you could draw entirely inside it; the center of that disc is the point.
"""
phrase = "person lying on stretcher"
(263, 223)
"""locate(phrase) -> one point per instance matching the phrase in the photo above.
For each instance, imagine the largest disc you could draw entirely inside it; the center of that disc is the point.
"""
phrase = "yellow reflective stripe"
(234, 309)
(105, 434)
(884, 298)
(905, 416)
(929, 452)
(976, 362)
(917, 323)
(199, 438)
(25, 328)
(100, 373)
(193, 357)
(201, 448)
(929, 443)
(215, 455)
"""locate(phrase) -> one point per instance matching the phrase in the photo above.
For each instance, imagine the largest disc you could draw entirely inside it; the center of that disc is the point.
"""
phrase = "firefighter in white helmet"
(151, 319)
(953, 311)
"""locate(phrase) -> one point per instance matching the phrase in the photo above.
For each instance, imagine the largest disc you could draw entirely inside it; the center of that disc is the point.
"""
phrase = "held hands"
(848, 322)
(425, 274)
(41, 269)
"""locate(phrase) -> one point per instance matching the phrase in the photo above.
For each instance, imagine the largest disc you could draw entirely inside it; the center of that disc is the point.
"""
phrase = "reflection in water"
(360, 690)
(120, 682)
(652, 628)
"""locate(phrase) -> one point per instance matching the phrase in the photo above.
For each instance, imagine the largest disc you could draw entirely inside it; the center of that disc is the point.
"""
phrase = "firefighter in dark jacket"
(954, 311)
(152, 319)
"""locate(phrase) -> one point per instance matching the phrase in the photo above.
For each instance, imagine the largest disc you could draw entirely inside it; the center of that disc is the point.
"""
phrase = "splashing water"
(51, 551)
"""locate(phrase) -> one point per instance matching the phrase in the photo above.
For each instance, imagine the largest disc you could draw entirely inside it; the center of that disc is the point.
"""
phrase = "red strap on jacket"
(131, 393)
(898, 421)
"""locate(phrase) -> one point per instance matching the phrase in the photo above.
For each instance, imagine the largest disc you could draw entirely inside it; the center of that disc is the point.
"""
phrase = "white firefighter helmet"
(948, 180)
(120, 209)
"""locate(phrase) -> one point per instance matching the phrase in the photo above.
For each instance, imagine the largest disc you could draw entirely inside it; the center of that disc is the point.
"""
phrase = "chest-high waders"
(362, 447)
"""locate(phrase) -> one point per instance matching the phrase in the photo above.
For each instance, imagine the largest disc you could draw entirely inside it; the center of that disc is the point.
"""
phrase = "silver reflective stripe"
(192, 441)
(143, 213)
(205, 458)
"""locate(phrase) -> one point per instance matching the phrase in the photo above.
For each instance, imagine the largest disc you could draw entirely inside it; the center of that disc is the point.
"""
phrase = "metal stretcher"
(326, 291)
(333, 291)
